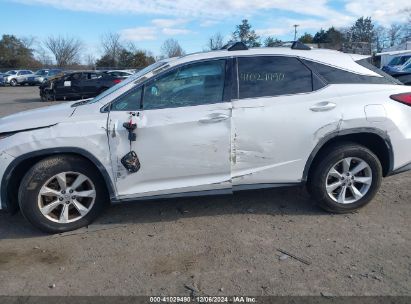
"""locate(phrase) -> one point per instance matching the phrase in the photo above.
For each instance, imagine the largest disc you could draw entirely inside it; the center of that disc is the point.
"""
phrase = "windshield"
(11, 72)
(129, 79)
(407, 65)
(399, 60)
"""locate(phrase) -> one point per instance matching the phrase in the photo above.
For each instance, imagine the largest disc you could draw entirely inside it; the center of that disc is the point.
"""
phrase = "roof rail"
(295, 45)
(235, 46)
(298, 45)
(241, 46)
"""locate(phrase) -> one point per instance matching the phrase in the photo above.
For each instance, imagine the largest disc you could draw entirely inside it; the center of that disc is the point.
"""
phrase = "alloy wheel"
(349, 180)
(66, 197)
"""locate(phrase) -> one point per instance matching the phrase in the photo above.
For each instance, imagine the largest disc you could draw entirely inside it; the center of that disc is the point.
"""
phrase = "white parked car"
(211, 123)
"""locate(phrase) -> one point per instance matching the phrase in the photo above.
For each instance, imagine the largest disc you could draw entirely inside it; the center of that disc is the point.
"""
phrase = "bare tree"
(66, 50)
(43, 56)
(90, 61)
(394, 34)
(112, 46)
(215, 42)
(407, 27)
(381, 38)
(28, 41)
(171, 48)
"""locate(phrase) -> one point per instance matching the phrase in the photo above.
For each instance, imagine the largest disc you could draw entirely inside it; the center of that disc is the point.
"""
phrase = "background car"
(2, 79)
(43, 75)
(77, 85)
(395, 64)
(15, 77)
(119, 73)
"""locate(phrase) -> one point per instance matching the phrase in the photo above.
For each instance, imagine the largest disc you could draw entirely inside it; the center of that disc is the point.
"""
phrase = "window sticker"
(262, 76)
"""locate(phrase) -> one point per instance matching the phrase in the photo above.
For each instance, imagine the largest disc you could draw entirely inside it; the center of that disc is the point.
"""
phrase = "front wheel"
(346, 179)
(13, 82)
(62, 193)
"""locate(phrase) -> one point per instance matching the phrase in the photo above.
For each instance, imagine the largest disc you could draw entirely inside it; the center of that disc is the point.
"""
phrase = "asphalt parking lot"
(225, 245)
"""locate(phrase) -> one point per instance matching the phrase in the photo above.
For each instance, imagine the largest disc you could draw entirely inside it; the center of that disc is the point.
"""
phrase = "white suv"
(211, 123)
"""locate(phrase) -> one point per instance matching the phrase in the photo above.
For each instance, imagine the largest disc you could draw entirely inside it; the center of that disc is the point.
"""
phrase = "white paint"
(262, 141)
(375, 113)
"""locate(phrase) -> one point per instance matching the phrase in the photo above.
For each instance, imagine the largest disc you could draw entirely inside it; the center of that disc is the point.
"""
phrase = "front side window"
(190, 85)
(271, 76)
(131, 101)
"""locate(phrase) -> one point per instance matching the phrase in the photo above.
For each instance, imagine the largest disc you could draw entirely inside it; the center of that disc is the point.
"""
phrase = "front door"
(183, 132)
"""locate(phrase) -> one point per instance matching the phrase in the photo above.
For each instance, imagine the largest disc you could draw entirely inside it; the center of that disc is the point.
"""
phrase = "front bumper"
(5, 161)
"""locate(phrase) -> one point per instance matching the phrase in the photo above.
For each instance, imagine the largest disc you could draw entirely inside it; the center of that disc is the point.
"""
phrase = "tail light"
(404, 98)
(117, 80)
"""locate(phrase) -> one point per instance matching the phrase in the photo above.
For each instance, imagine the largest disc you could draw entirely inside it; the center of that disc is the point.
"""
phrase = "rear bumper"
(5, 161)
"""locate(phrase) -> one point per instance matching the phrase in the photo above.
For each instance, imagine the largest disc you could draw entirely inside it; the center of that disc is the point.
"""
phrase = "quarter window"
(191, 85)
(334, 75)
(271, 76)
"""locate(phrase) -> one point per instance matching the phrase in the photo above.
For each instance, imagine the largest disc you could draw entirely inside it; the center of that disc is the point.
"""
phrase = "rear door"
(183, 132)
(282, 112)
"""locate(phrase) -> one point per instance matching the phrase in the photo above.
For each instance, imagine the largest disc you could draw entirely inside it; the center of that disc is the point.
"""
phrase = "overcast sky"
(149, 22)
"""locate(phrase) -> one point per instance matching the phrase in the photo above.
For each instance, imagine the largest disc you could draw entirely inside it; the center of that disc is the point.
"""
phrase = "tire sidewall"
(40, 173)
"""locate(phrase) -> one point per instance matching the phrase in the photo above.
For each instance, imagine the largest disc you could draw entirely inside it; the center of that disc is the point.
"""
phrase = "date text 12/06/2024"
(203, 299)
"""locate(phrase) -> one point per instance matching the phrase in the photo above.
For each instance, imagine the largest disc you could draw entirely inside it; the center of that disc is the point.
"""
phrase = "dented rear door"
(273, 136)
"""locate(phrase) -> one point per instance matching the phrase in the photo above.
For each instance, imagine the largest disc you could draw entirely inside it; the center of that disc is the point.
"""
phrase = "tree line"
(364, 36)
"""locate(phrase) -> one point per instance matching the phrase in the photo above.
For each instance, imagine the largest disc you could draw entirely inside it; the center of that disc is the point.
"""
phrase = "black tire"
(13, 82)
(41, 173)
(318, 176)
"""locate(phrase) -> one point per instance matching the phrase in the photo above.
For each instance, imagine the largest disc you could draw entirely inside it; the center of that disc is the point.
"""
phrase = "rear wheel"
(62, 193)
(346, 179)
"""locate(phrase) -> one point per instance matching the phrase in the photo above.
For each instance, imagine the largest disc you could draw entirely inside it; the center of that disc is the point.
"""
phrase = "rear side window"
(337, 76)
(272, 76)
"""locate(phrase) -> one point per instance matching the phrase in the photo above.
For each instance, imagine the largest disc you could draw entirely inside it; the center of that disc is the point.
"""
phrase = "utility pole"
(295, 31)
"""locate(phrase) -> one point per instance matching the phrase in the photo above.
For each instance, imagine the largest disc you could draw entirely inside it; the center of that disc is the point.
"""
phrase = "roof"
(333, 58)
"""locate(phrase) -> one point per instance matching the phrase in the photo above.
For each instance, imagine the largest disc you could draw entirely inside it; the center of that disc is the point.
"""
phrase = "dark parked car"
(119, 73)
(77, 85)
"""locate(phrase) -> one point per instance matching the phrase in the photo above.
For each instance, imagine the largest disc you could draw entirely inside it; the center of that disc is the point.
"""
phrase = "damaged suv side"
(211, 123)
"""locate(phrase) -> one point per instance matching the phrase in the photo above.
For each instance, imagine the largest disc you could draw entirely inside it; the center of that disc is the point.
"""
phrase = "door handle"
(323, 106)
(214, 117)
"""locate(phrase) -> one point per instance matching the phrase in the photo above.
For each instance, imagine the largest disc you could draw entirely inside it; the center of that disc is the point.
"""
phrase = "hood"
(37, 118)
